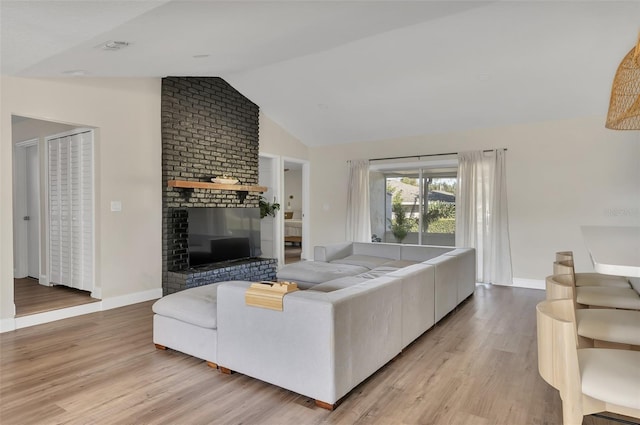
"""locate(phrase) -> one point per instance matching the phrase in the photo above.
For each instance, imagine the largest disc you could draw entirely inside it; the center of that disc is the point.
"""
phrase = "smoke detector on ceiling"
(75, 72)
(113, 45)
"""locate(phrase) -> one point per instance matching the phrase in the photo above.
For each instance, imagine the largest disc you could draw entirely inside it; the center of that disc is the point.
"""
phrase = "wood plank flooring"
(292, 254)
(477, 367)
(31, 297)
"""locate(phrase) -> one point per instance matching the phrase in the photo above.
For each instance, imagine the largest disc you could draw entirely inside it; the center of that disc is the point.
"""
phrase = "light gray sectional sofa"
(364, 303)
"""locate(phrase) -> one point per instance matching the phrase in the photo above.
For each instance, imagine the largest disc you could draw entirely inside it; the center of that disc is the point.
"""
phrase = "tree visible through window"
(420, 208)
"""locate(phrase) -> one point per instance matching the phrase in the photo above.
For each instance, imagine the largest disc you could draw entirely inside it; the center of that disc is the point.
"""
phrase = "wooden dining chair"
(589, 380)
(597, 327)
(590, 279)
(563, 286)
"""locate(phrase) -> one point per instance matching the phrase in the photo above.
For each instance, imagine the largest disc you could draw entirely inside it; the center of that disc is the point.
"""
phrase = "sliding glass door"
(438, 210)
(414, 206)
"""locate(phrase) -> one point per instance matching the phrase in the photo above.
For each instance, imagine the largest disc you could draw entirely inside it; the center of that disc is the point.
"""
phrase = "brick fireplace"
(209, 129)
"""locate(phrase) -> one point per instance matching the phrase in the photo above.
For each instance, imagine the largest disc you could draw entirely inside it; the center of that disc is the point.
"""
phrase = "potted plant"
(267, 208)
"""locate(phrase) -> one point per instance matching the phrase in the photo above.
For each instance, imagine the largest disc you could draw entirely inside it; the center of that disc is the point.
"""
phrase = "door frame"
(276, 186)
(306, 254)
(20, 242)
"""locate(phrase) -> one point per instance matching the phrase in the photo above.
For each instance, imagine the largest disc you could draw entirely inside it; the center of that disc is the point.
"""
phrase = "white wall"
(560, 175)
(280, 145)
(267, 178)
(126, 115)
(275, 140)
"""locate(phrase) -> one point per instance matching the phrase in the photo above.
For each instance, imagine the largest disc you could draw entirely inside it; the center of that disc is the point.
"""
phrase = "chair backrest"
(559, 365)
(564, 256)
(564, 267)
(559, 286)
(557, 348)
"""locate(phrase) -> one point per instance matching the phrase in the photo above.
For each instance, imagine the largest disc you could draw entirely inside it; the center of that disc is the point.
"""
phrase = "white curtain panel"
(358, 218)
(481, 214)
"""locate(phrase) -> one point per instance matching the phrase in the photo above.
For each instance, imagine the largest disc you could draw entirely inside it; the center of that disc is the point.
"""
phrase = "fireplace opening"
(207, 249)
(212, 236)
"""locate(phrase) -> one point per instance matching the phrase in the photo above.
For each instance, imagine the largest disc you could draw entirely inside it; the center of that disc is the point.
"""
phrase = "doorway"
(296, 207)
(33, 292)
(27, 231)
(285, 236)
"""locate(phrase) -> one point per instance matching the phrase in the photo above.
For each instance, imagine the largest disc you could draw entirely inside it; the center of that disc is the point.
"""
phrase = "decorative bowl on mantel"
(224, 180)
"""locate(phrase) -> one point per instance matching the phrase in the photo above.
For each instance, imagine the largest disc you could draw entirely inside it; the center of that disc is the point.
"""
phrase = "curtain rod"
(423, 156)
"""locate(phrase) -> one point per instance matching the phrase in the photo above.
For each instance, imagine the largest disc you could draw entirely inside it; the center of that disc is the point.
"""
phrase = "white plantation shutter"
(71, 210)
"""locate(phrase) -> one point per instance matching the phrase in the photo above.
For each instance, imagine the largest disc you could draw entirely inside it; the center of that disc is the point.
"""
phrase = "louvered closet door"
(71, 210)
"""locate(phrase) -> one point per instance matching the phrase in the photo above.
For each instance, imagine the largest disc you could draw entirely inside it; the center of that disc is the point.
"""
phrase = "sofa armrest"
(418, 304)
(292, 348)
(466, 258)
(327, 253)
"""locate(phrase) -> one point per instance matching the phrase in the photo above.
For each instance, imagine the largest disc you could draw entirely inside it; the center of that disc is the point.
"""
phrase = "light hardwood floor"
(292, 254)
(477, 367)
(31, 297)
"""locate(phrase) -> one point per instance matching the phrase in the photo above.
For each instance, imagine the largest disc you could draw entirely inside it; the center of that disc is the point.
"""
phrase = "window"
(414, 205)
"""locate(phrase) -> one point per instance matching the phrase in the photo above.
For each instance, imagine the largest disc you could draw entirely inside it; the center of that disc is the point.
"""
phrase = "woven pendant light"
(624, 107)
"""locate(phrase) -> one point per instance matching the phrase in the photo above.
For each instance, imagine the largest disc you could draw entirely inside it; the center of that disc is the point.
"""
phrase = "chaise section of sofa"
(307, 274)
(187, 321)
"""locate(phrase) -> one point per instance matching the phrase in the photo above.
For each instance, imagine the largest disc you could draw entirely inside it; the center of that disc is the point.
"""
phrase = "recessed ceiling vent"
(113, 45)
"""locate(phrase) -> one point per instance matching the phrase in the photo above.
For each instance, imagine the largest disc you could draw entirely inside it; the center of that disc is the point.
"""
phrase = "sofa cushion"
(317, 271)
(420, 253)
(386, 268)
(368, 261)
(386, 250)
(334, 251)
(195, 305)
(398, 264)
(340, 283)
(377, 272)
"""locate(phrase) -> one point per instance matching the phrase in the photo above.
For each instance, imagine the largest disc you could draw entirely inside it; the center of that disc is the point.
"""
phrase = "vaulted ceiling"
(344, 71)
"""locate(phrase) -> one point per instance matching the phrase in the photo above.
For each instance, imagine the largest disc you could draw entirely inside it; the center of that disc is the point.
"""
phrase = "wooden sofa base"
(327, 406)
(322, 404)
(210, 364)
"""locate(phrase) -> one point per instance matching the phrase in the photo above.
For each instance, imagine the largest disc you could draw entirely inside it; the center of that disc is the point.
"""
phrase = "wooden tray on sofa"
(268, 294)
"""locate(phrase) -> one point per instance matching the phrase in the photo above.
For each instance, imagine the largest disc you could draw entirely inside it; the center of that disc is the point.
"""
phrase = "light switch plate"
(116, 206)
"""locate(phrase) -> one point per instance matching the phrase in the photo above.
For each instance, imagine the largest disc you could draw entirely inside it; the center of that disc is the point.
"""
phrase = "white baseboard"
(528, 283)
(7, 325)
(137, 297)
(53, 315)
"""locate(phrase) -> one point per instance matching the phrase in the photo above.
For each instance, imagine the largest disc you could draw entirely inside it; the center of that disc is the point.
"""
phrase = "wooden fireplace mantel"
(186, 184)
